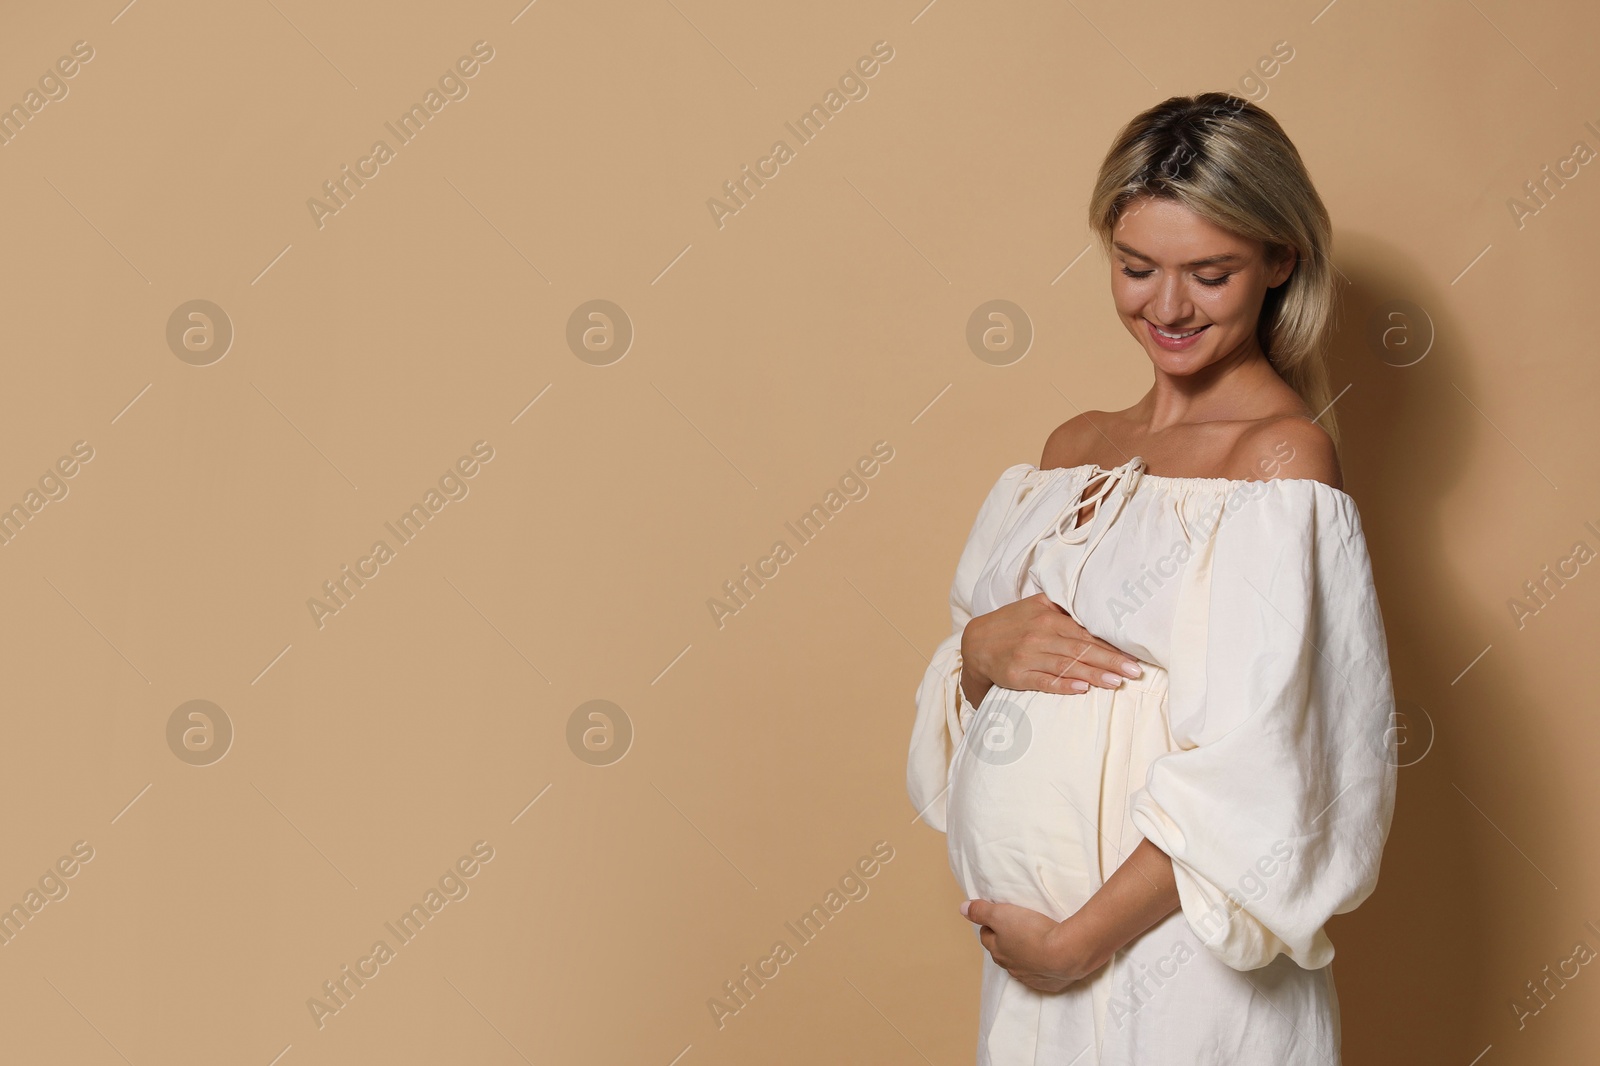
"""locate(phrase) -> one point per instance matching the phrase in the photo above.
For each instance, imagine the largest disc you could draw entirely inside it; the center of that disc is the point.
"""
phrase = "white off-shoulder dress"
(1257, 751)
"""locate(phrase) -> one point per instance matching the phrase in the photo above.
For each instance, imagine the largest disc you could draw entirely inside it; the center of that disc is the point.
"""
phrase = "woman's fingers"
(1044, 682)
(1093, 663)
(1034, 644)
(1087, 647)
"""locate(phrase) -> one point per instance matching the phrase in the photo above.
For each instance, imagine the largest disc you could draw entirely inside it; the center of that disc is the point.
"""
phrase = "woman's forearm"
(1140, 893)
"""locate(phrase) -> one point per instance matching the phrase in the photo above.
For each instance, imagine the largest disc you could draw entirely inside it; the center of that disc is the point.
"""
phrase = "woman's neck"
(1241, 386)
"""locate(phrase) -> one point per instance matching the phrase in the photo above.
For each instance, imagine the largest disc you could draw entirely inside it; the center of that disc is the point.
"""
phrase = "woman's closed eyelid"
(1140, 275)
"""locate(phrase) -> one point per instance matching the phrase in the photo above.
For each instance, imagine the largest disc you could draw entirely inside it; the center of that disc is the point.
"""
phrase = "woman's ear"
(1283, 266)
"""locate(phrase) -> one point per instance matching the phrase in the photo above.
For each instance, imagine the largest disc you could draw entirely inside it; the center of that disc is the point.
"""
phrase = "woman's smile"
(1176, 341)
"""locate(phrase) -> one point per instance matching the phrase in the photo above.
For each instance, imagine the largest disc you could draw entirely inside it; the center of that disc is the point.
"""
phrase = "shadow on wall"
(1411, 970)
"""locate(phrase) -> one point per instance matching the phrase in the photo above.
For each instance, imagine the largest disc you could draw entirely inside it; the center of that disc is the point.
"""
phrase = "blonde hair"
(1229, 162)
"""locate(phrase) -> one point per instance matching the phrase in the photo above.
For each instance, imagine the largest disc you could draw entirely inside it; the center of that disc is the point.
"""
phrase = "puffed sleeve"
(1276, 798)
(942, 710)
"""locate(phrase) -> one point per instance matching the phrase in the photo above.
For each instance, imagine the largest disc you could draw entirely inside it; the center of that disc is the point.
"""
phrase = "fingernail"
(1078, 686)
(1111, 679)
(1133, 669)
(964, 905)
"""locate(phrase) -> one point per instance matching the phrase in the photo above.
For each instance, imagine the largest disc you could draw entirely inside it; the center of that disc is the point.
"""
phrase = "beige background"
(767, 756)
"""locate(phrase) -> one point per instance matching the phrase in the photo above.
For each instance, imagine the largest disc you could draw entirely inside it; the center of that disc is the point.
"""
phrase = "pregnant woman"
(1180, 763)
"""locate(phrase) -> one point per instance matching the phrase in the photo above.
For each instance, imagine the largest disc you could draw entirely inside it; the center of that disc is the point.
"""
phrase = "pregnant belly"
(1039, 787)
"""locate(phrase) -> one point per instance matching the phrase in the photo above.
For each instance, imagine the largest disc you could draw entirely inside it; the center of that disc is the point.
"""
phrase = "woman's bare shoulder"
(1285, 446)
(1077, 440)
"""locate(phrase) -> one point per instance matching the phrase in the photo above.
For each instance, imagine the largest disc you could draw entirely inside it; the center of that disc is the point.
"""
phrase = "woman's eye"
(1212, 282)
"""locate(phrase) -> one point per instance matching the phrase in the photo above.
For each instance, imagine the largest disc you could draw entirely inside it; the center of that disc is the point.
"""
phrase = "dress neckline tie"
(1106, 495)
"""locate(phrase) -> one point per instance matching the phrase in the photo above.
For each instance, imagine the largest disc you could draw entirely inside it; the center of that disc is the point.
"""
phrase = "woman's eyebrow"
(1225, 257)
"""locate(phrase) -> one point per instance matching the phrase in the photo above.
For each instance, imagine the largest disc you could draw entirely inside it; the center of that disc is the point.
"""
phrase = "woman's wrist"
(1140, 893)
(1072, 948)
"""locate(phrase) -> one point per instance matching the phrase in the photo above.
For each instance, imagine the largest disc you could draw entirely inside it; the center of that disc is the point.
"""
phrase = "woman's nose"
(1172, 302)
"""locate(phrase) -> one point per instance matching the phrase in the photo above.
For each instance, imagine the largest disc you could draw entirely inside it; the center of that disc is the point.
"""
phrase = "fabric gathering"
(1256, 750)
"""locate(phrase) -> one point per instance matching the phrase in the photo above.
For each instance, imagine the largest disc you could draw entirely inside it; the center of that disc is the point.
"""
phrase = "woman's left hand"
(1034, 948)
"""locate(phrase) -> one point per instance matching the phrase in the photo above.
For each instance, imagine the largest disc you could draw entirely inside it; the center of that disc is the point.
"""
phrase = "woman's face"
(1172, 270)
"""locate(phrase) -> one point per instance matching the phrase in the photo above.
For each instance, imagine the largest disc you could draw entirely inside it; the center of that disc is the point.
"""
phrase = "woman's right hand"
(1035, 645)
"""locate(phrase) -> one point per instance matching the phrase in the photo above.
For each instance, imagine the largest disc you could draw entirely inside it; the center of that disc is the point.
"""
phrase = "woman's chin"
(1177, 364)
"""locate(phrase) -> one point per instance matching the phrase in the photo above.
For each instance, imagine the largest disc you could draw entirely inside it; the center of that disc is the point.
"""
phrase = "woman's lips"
(1176, 344)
